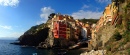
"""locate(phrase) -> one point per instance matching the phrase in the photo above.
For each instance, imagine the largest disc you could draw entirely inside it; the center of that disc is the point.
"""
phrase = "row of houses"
(65, 26)
(110, 16)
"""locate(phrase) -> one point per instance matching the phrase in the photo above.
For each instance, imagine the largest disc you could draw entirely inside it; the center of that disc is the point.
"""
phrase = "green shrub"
(122, 43)
(119, 26)
(117, 36)
(108, 48)
(129, 25)
(126, 36)
(128, 51)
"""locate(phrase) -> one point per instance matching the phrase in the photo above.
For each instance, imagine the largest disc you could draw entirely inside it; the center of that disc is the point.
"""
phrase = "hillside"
(115, 38)
(91, 21)
(119, 43)
(34, 35)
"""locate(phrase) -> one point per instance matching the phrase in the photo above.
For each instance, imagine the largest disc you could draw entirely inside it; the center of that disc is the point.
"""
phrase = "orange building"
(106, 18)
(107, 14)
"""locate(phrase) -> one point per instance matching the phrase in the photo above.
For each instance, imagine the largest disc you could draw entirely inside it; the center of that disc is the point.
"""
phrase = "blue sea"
(9, 49)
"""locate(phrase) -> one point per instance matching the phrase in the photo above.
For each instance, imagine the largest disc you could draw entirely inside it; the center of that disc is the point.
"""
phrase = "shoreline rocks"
(93, 52)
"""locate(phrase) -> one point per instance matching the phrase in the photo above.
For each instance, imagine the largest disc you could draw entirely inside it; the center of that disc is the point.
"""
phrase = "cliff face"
(120, 41)
(103, 36)
(115, 38)
(34, 35)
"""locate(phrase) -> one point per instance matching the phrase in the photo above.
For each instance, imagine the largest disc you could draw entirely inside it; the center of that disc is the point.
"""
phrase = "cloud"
(6, 27)
(86, 14)
(88, 11)
(9, 2)
(85, 6)
(46, 11)
(103, 1)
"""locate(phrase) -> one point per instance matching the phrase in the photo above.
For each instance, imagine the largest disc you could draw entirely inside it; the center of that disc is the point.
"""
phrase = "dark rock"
(16, 43)
(34, 35)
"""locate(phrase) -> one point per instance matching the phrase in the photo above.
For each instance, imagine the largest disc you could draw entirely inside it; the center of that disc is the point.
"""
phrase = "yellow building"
(87, 25)
(68, 33)
(107, 14)
(114, 10)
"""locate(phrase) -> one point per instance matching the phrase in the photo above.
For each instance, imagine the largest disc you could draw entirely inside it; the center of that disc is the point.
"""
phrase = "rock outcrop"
(93, 52)
(34, 35)
(102, 37)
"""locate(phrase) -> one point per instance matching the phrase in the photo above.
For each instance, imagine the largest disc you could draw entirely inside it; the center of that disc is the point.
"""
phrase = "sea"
(10, 49)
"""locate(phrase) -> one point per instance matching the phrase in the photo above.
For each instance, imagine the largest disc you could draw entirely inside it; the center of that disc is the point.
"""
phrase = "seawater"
(9, 49)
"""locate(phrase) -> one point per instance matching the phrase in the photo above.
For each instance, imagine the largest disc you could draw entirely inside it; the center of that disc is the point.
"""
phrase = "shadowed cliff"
(34, 35)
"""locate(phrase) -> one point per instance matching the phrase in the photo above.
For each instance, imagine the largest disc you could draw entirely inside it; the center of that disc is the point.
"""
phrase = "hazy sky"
(17, 16)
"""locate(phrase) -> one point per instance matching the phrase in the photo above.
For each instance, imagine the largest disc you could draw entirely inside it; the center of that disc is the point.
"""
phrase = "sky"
(17, 16)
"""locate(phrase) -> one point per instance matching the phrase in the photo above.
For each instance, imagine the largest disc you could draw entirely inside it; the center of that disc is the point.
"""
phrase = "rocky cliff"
(34, 35)
(119, 43)
(115, 38)
(103, 36)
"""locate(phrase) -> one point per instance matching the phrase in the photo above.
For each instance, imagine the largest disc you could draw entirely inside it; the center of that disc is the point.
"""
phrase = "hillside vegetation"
(91, 21)
(34, 35)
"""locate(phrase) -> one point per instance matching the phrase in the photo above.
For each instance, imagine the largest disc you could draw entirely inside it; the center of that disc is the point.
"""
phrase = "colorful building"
(107, 14)
(115, 17)
(63, 26)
